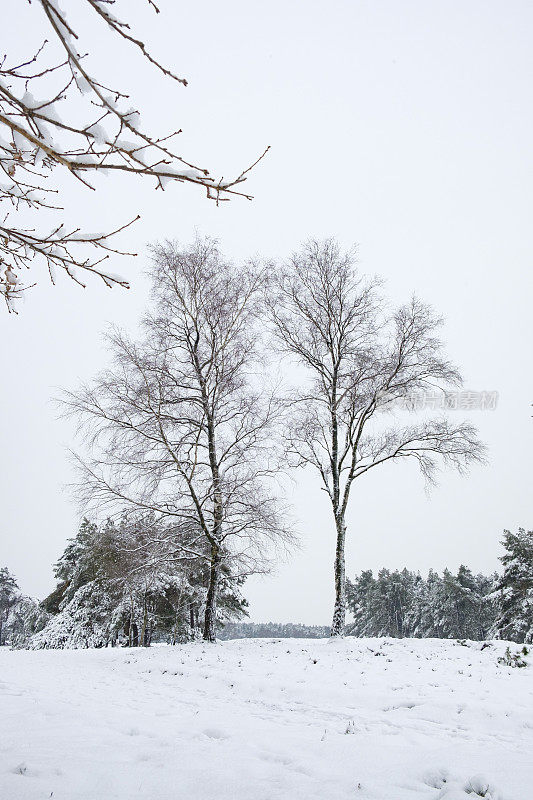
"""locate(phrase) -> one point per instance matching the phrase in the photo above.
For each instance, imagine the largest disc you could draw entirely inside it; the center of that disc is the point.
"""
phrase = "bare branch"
(38, 137)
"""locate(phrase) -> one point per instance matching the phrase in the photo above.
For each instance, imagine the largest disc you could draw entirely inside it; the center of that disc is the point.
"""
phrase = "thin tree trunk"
(130, 627)
(339, 609)
(212, 591)
(214, 573)
(144, 628)
(147, 635)
(339, 612)
(177, 622)
(144, 624)
(192, 617)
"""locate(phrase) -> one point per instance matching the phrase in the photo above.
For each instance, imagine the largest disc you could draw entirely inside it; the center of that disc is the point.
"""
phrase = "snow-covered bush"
(515, 659)
(27, 618)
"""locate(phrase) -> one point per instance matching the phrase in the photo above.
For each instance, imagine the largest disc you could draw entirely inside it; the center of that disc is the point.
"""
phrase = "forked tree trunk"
(210, 620)
(339, 611)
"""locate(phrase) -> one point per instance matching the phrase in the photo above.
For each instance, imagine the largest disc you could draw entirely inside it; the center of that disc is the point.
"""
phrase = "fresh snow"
(267, 719)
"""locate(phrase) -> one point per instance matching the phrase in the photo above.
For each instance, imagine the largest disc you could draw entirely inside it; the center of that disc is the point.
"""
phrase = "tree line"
(449, 606)
(107, 595)
(403, 604)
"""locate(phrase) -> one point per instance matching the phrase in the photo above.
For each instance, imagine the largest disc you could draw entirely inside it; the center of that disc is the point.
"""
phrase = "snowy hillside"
(289, 719)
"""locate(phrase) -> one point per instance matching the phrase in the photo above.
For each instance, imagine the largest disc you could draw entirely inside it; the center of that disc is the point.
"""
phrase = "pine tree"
(417, 616)
(515, 588)
(360, 599)
(76, 567)
(431, 612)
(488, 605)
(8, 596)
(467, 603)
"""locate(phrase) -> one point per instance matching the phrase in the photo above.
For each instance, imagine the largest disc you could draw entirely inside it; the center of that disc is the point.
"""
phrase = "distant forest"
(272, 630)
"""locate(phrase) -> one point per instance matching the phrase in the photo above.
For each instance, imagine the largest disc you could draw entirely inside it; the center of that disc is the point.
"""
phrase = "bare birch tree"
(359, 360)
(57, 114)
(182, 425)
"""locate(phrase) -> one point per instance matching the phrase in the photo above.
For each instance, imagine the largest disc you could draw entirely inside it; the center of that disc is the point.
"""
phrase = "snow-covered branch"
(56, 114)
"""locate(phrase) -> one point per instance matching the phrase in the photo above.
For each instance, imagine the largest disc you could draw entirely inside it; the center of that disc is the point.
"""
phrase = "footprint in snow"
(452, 788)
(215, 733)
(479, 786)
(284, 761)
(407, 704)
(23, 769)
(436, 778)
(274, 758)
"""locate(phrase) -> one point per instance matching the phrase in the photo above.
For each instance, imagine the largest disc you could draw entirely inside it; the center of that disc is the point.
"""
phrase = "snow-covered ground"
(264, 719)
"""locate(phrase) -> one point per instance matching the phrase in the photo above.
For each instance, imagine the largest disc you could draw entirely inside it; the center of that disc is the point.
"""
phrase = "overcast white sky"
(405, 127)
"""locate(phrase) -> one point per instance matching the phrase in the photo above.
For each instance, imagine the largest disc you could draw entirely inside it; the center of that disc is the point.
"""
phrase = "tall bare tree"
(182, 424)
(59, 115)
(359, 360)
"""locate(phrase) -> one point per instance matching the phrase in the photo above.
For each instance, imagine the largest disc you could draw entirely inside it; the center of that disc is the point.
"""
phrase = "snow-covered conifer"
(403, 604)
(515, 588)
(8, 595)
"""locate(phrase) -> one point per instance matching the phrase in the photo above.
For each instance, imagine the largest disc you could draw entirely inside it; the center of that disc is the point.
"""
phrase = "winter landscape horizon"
(265, 274)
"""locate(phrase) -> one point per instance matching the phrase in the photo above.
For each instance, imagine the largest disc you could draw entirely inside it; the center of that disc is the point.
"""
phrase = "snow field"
(267, 719)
